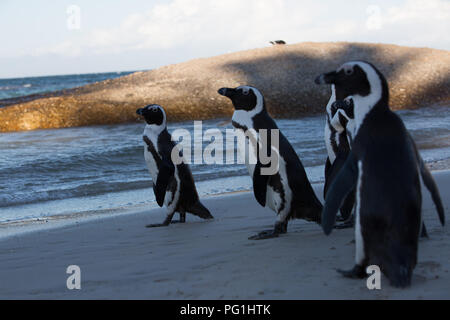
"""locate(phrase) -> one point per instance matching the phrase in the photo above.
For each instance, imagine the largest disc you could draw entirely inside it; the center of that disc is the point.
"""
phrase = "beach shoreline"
(121, 259)
(23, 226)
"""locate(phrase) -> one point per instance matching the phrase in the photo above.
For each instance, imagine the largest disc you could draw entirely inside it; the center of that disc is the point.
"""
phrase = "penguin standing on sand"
(288, 191)
(173, 185)
(385, 167)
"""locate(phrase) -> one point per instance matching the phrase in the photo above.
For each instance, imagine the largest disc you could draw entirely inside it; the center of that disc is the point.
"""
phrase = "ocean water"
(91, 169)
(13, 88)
(97, 169)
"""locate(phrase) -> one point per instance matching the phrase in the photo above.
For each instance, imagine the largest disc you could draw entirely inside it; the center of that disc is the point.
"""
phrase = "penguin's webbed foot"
(357, 272)
(156, 225)
(166, 222)
(280, 227)
(345, 224)
(179, 221)
(266, 234)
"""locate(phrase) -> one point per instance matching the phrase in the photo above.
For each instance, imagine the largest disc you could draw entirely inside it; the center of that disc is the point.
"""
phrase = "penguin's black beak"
(139, 111)
(326, 78)
(226, 92)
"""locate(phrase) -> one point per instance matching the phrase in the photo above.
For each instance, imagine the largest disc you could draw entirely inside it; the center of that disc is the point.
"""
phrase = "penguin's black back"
(390, 196)
(305, 204)
(188, 192)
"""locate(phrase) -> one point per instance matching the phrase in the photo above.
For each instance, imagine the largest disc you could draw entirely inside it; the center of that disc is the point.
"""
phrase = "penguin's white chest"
(151, 164)
(280, 203)
(148, 156)
(274, 200)
(171, 197)
(328, 143)
(247, 151)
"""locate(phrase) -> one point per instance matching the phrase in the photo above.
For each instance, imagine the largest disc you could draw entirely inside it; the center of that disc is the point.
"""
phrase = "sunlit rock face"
(285, 74)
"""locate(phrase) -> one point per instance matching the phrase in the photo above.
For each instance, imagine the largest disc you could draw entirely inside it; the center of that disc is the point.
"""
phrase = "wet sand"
(121, 259)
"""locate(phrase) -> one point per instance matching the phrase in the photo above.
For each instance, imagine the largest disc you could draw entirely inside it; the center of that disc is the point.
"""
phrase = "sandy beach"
(121, 259)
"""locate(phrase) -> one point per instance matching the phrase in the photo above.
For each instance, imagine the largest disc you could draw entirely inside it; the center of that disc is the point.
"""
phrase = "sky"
(49, 37)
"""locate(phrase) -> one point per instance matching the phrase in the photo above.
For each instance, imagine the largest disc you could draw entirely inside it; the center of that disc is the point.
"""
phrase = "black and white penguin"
(288, 191)
(385, 168)
(339, 129)
(173, 185)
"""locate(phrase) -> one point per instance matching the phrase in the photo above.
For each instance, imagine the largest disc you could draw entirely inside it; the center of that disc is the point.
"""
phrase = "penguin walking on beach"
(338, 138)
(173, 184)
(385, 168)
(287, 191)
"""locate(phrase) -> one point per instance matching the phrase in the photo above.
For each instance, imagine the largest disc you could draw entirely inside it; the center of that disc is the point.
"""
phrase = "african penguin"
(338, 135)
(346, 122)
(385, 167)
(173, 185)
(288, 191)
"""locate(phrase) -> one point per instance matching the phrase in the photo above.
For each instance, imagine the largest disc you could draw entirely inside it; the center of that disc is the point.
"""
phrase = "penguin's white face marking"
(365, 103)
(155, 117)
(362, 81)
(331, 101)
(247, 101)
(328, 133)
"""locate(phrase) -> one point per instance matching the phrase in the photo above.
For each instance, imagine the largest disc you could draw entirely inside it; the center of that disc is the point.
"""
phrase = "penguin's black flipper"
(260, 185)
(340, 188)
(430, 184)
(259, 180)
(333, 171)
(347, 207)
(327, 175)
(166, 172)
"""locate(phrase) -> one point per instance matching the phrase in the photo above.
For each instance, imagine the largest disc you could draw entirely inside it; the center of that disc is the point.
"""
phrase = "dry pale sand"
(119, 258)
(285, 74)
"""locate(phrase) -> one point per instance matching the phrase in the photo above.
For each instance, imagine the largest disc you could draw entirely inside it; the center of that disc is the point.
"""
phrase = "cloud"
(66, 48)
(219, 26)
(419, 23)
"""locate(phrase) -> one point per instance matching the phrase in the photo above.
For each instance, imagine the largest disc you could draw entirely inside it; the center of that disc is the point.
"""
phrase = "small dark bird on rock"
(278, 42)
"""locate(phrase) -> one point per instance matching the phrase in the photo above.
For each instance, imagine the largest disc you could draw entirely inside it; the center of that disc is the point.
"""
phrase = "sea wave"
(39, 167)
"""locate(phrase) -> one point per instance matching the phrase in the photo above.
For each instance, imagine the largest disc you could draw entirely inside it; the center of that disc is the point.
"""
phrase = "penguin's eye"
(348, 71)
